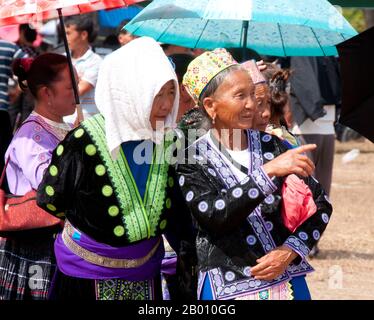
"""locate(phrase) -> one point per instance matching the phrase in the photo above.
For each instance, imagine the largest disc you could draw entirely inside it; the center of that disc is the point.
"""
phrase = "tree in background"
(356, 18)
(359, 19)
(369, 17)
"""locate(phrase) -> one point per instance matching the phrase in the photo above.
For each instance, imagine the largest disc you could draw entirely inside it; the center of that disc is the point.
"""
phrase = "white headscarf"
(128, 81)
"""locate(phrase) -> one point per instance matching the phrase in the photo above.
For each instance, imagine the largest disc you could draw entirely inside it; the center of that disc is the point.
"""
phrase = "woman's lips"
(247, 116)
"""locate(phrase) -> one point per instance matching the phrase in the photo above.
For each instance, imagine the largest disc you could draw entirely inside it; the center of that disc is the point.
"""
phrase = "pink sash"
(297, 202)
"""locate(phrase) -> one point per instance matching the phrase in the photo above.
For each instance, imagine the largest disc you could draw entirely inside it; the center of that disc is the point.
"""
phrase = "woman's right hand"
(291, 162)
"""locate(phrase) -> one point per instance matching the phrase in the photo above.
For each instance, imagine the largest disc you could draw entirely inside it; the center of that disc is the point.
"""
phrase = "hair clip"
(26, 63)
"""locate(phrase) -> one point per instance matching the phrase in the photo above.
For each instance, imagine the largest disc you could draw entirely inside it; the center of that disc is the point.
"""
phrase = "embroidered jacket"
(240, 221)
(99, 196)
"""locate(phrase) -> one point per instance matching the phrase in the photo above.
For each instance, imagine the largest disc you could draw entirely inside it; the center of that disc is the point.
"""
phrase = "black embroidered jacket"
(240, 221)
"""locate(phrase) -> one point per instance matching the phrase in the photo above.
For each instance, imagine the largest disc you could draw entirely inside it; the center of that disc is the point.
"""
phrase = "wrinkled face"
(233, 104)
(74, 37)
(162, 104)
(263, 113)
(61, 94)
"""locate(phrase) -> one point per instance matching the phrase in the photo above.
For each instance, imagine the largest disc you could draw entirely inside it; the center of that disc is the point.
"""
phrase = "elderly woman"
(231, 179)
(280, 112)
(109, 178)
(262, 94)
(273, 104)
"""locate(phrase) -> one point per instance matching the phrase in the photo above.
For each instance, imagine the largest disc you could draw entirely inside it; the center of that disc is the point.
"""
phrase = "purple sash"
(169, 265)
(74, 266)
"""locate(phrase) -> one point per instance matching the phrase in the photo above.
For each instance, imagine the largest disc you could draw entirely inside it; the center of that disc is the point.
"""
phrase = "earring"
(214, 120)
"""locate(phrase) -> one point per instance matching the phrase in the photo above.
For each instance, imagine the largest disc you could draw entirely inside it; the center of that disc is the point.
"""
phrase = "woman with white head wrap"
(130, 79)
(107, 179)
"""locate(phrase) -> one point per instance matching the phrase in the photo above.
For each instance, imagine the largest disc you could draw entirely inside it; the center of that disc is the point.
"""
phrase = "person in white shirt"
(315, 93)
(80, 32)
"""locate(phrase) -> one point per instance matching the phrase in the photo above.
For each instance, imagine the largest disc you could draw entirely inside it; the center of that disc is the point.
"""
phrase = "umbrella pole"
(71, 69)
(244, 40)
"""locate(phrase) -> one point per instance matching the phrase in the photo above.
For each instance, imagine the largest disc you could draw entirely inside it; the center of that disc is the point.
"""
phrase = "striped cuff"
(298, 246)
(263, 181)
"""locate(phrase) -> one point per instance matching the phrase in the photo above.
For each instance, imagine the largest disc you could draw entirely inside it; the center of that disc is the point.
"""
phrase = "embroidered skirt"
(70, 288)
(295, 289)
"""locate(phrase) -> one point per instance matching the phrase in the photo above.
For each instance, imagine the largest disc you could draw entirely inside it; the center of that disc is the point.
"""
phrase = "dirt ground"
(345, 265)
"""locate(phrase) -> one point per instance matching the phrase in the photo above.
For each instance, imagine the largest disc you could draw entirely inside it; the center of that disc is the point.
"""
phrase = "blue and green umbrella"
(270, 27)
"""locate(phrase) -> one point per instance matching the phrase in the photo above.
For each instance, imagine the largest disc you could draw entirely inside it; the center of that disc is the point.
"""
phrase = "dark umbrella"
(357, 71)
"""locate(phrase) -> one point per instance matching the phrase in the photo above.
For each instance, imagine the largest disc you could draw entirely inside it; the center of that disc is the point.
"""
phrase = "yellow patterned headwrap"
(204, 68)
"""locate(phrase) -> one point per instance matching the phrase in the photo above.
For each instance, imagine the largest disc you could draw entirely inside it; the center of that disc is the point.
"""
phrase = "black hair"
(181, 61)
(237, 54)
(28, 32)
(111, 40)
(83, 23)
(277, 80)
(120, 28)
(42, 71)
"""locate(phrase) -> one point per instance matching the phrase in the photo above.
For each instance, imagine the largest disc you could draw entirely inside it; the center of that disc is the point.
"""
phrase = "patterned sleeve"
(306, 236)
(180, 225)
(222, 211)
(59, 185)
(31, 150)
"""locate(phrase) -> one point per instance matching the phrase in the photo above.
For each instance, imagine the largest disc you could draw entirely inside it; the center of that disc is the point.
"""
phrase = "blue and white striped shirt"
(8, 52)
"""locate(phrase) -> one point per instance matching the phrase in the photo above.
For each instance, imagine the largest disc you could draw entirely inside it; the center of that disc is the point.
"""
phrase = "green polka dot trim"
(178, 144)
(90, 150)
(53, 171)
(79, 133)
(113, 211)
(171, 182)
(51, 207)
(60, 150)
(119, 231)
(49, 191)
(100, 170)
(168, 203)
(107, 191)
(60, 215)
(163, 224)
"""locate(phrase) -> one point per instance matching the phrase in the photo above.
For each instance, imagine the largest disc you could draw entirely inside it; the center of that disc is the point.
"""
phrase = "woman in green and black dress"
(111, 179)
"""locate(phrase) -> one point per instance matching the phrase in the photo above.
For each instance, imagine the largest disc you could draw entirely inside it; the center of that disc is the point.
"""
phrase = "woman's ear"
(44, 93)
(209, 106)
(182, 90)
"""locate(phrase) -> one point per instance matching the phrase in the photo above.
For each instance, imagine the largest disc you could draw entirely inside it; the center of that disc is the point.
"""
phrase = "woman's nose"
(251, 104)
(266, 114)
(167, 105)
